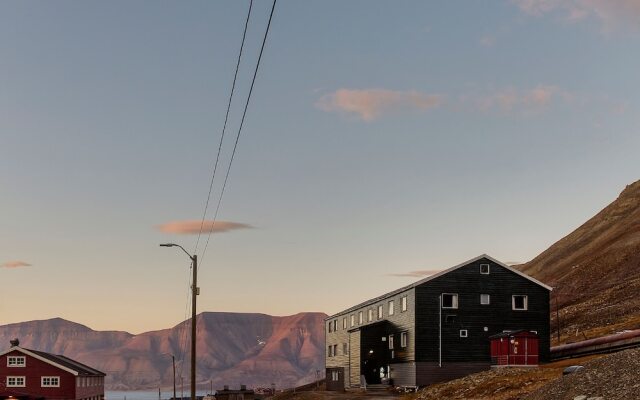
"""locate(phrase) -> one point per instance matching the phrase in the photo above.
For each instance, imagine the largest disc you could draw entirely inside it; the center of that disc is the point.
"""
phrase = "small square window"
(519, 302)
(484, 269)
(464, 333)
(485, 299)
(449, 300)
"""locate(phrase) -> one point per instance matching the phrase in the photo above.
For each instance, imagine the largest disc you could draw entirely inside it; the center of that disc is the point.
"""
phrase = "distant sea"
(147, 394)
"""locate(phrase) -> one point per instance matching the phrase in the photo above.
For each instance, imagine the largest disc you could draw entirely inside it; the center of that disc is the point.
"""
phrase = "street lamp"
(194, 292)
(173, 361)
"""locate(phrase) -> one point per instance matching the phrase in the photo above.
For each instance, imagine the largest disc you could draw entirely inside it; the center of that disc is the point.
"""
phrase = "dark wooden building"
(31, 374)
(435, 329)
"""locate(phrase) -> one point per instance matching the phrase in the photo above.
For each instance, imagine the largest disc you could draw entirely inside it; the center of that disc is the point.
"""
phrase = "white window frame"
(403, 303)
(391, 307)
(464, 333)
(404, 339)
(16, 361)
(370, 314)
(361, 317)
(353, 320)
(454, 301)
(380, 311)
(50, 381)
(13, 381)
(488, 269)
(344, 323)
(526, 302)
(488, 299)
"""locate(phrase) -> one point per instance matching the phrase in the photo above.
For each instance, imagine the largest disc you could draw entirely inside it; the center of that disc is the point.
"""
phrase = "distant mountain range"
(595, 271)
(233, 349)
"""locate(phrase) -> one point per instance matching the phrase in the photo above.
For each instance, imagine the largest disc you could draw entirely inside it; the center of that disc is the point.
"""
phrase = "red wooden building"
(35, 375)
(514, 349)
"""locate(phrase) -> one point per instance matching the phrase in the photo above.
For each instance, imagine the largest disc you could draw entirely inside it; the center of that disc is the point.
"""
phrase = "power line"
(224, 127)
(244, 113)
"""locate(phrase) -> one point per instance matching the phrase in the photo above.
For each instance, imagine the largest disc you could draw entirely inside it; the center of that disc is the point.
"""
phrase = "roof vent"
(15, 342)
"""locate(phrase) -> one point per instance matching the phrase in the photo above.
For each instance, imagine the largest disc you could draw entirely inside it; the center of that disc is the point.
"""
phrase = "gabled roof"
(434, 276)
(58, 361)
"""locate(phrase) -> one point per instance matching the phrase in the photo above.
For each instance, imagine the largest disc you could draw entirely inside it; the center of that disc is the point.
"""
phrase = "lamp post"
(173, 361)
(194, 292)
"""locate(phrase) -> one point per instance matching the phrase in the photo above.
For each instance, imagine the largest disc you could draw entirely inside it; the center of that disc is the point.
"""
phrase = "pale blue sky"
(382, 138)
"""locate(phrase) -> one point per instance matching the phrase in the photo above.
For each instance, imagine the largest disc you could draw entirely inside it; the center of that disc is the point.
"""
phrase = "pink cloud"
(369, 104)
(611, 13)
(193, 227)
(417, 274)
(15, 264)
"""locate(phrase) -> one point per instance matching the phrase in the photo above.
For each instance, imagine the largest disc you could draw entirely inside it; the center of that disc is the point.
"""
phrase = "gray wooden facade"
(432, 343)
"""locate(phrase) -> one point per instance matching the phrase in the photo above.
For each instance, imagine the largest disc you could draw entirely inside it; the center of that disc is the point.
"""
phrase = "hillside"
(233, 349)
(595, 271)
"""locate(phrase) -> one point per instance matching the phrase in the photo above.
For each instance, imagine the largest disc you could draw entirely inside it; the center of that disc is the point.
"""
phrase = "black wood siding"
(498, 316)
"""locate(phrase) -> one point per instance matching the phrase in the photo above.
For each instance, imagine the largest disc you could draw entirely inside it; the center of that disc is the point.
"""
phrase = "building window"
(335, 376)
(380, 311)
(370, 312)
(330, 351)
(449, 300)
(403, 339)
(335, 325)
(484, 269)
(50, 381)
(344, 323)
(391, 307)
(16, 381)
(390, 342)
(519, 302)
(360, 317)
(403, 303)
(345, 348)
(330, 328)
(16, 361)
(485, 299)
(464, 333)
(335, 349)
(353, 320)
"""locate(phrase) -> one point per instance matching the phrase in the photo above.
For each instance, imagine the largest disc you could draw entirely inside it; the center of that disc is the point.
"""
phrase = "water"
(147, 394)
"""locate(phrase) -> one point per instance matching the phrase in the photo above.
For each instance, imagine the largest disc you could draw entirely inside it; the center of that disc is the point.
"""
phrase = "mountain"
(595, 270)
(233, 349)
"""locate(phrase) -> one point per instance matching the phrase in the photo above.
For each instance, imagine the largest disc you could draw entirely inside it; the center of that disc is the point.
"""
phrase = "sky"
(383, 141)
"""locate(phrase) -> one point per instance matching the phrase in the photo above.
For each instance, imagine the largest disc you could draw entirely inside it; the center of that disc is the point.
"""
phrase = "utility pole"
(194, 292)
(173, 361)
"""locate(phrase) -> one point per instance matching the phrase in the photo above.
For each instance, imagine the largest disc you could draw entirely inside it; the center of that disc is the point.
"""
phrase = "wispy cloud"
(193, 227)
(612, 14)
(417, 274)
(526, 101)
(369, 104)
(15, 264)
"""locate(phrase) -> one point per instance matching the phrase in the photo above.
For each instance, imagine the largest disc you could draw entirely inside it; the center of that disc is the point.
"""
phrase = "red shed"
(514, 349)
(30, 374)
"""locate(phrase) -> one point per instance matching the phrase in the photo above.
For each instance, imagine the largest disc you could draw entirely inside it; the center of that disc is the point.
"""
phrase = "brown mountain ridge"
(233, 349)
(595, 271)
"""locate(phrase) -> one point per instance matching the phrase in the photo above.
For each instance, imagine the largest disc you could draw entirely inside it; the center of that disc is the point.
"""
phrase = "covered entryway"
(517, 348)
(375, 355)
